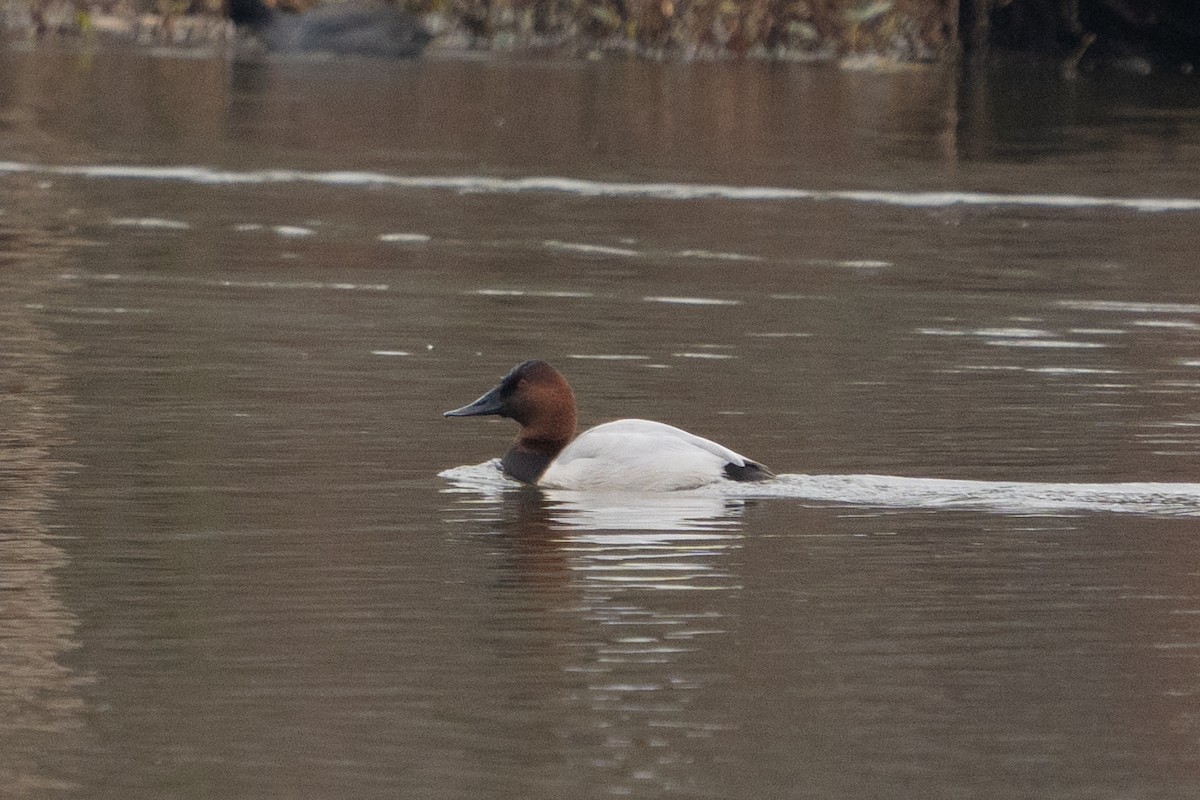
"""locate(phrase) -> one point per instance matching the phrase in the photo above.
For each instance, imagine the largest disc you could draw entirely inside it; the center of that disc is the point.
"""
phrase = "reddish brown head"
(538, 397)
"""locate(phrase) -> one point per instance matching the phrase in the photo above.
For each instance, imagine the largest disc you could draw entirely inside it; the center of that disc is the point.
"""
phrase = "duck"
(353, 28)
(626, 454)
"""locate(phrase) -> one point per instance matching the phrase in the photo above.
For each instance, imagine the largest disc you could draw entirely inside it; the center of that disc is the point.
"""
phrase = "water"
(962, 320)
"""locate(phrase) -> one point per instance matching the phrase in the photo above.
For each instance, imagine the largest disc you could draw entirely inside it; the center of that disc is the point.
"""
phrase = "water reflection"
(678, 512)
(40, 707)
(276, 284)
(482, 486)
(649, 584)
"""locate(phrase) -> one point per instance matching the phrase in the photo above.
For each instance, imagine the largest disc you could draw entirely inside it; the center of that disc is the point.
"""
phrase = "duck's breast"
(638, 455)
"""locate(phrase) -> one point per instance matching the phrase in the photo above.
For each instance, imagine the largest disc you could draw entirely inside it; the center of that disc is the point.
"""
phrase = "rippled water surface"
(960, 320)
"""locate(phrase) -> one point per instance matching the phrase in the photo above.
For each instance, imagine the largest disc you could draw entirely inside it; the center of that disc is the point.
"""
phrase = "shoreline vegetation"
(1142, 37)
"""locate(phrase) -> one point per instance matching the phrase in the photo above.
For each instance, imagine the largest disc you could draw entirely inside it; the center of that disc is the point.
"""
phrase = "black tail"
(750, 472)
(251, 13)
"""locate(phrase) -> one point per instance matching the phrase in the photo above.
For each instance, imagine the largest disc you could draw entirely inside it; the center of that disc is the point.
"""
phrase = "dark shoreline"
(1077, 35)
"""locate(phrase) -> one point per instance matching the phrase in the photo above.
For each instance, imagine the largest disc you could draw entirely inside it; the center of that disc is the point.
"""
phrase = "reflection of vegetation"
(40, 708)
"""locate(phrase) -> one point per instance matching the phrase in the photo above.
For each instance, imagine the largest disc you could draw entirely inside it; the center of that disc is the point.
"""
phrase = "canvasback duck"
(354, 28)
(626, 454)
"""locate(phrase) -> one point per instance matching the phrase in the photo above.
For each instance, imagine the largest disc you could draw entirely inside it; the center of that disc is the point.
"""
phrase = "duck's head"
(537, 396)
(534, 394)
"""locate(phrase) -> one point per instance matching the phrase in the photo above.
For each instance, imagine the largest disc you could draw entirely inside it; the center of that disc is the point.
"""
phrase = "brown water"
(229, 567)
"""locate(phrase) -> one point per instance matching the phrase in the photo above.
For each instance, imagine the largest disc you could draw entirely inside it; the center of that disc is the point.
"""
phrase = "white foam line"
(607, 357)
(715, 255)
(940, 332)
(591, 249)
(1004, 496)
(586, 188)
(1046, 343)
(1013, 333)
(99, 310)
(1074, 371)
(946, 199)
(692, 301)
(1167, 323)
(225, 283)
(341, 287)
(1130, 307)
(686, 509)
(150, 223)
(529, 293)
(405, 238)
(292, 231)
(858, 264)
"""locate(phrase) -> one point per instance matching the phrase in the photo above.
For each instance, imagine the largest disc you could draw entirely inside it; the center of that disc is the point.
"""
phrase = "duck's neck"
(526, 464)
(537, 446)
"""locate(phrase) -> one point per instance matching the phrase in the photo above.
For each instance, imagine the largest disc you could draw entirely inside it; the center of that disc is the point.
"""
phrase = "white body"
(638, 455)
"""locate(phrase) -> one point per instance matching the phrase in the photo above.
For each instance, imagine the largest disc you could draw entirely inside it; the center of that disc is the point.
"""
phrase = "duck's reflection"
(666, 511)
(643, 589)
(484, 489)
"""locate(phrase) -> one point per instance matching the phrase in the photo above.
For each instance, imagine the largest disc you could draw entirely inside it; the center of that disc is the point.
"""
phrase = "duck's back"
(640, 455)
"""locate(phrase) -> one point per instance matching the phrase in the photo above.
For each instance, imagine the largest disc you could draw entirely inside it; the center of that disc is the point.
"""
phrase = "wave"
(114, 277)
(1006, 497)
(483, 184)
(871, 491)
(150, 223)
